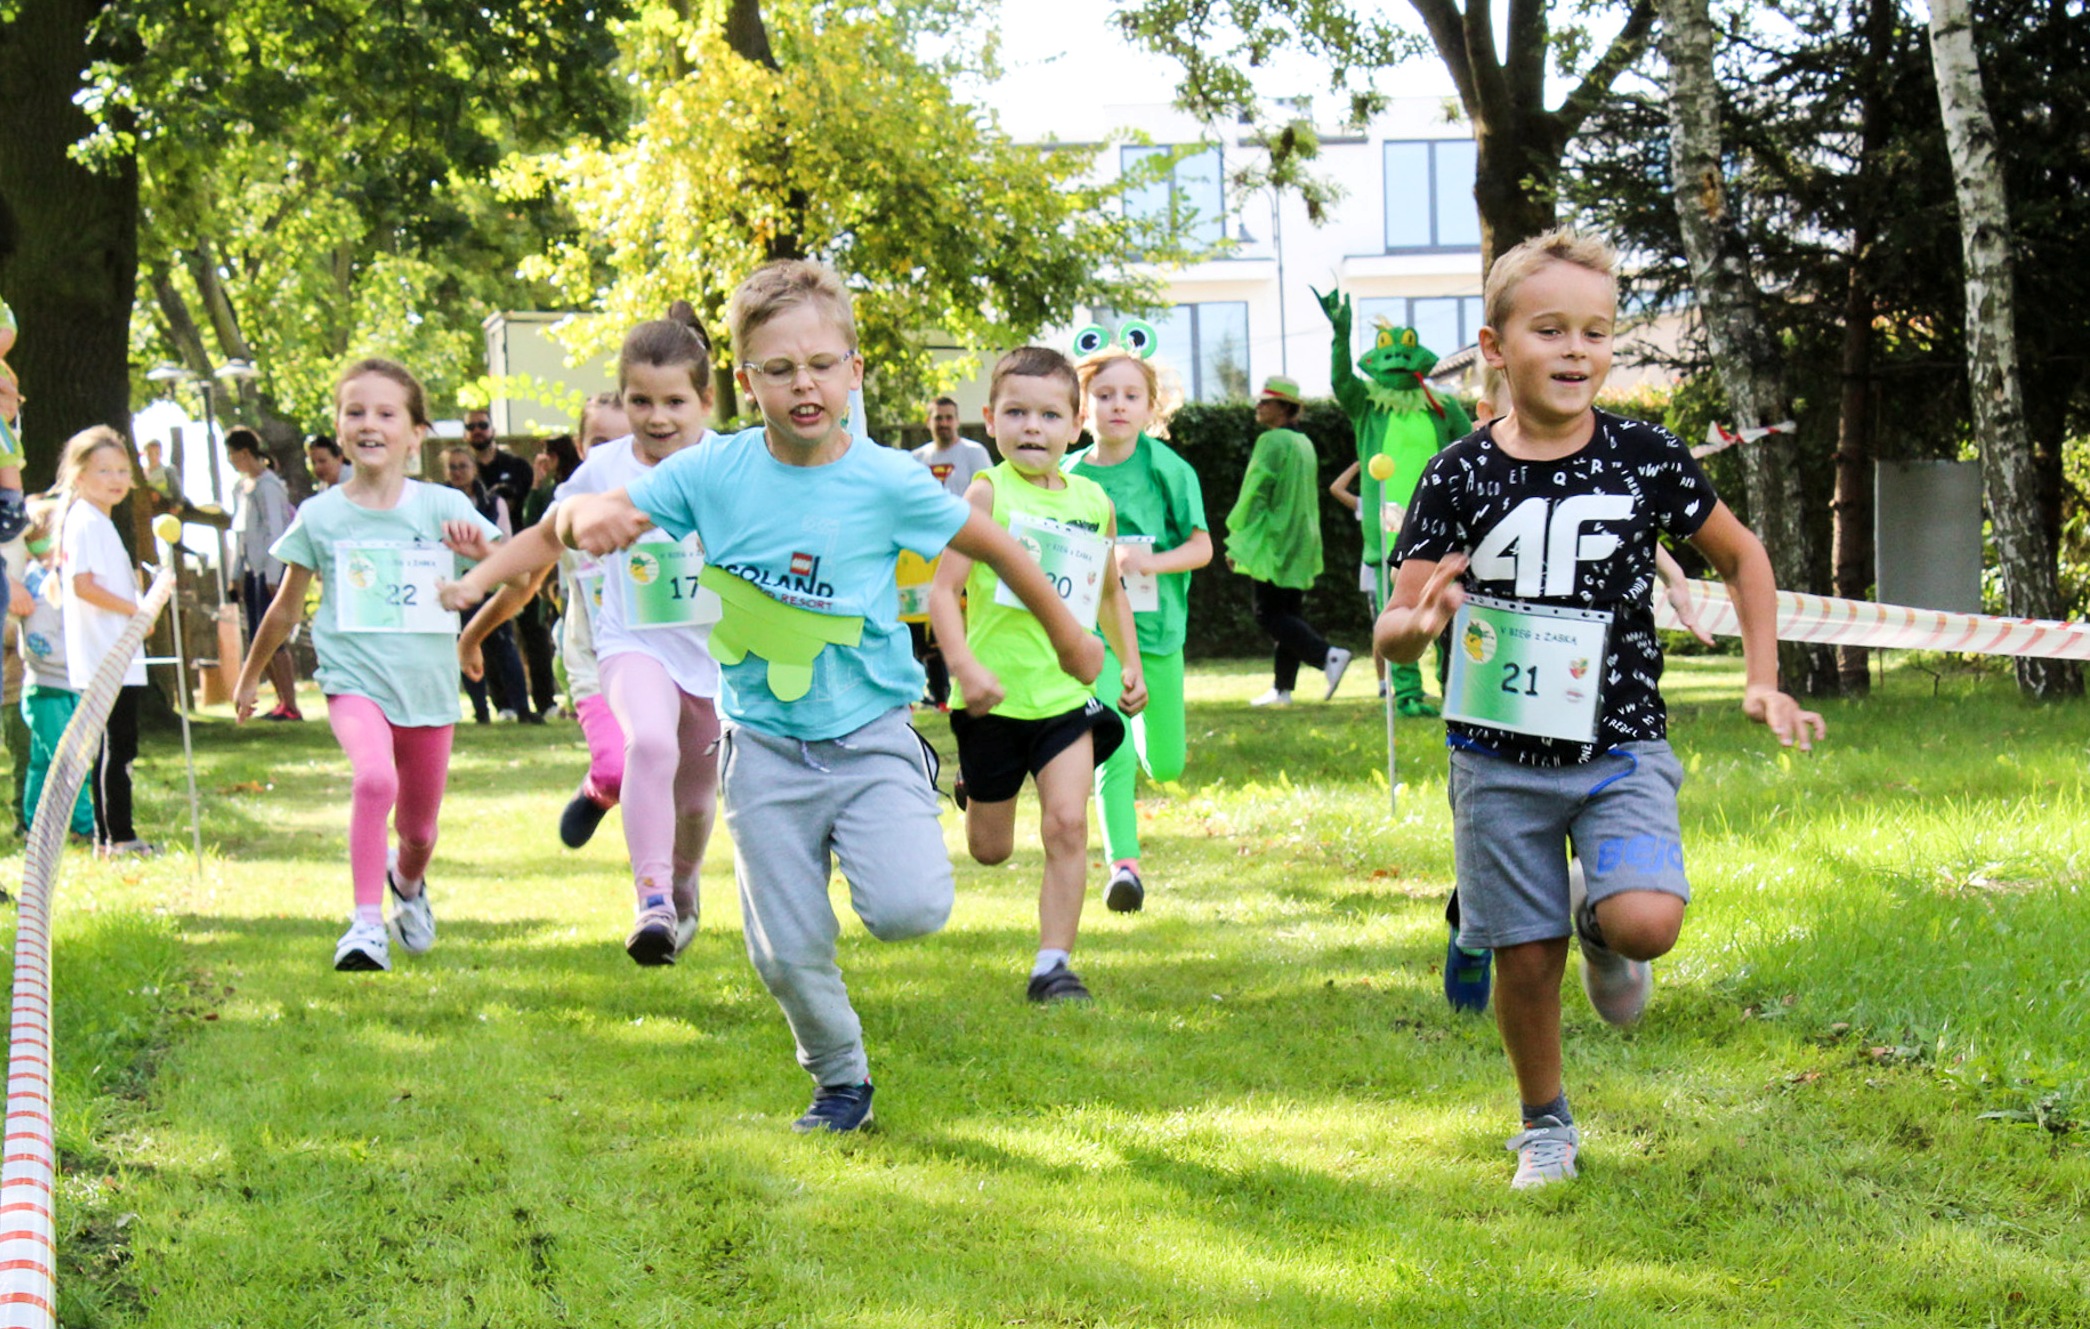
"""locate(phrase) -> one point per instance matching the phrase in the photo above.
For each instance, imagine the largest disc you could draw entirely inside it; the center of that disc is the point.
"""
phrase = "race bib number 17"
(389, 586)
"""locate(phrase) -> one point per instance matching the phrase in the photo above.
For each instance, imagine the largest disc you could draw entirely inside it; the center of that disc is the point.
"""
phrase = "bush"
(1217, 439)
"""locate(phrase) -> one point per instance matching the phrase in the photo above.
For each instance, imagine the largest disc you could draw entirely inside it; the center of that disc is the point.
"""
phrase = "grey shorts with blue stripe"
(866, 800)
(1511, 826)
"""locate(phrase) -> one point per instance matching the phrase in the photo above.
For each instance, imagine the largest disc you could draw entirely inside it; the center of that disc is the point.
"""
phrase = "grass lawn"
(1854, 1100)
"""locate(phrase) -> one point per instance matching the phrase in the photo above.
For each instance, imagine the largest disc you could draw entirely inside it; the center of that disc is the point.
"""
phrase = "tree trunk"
(2009, 469)
(1851, 545)
(1750, 365)
(68, 235)
(1519, 143)
(1851, 548)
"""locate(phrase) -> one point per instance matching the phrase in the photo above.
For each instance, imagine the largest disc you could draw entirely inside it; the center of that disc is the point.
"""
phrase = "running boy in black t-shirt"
(1541, 528)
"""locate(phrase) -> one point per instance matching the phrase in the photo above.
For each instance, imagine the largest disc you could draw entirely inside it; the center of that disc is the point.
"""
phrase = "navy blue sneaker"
(1467, 976)
(837, 1108)
(578, 822)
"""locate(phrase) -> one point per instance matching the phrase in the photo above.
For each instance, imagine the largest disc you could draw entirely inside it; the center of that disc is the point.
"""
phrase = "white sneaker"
(505, 714)
(1545, 1153)
(1617, 988)
(364, 946)
(1338, 660)
(685, 931)
(1273, 698)
(412, 920)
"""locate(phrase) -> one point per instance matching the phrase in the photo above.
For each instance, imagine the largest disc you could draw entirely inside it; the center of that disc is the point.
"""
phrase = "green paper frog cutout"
(788, 637)
(1134, 335)
(1395, 415)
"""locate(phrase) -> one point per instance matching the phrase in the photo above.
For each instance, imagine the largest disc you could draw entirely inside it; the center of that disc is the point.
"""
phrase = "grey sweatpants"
(793, 807)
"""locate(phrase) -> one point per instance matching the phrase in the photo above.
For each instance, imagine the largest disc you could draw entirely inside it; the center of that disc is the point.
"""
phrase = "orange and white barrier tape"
(1825, 619)
(28, 1226)
(1718, 439)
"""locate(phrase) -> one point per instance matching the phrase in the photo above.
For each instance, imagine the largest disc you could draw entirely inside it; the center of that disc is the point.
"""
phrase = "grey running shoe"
(1545, 1152)
(1617, 987)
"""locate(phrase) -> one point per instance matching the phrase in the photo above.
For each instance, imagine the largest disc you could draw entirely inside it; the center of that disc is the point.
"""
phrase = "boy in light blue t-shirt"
(802, 526)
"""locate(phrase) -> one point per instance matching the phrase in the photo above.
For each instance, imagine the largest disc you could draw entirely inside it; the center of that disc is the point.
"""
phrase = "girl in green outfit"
(1162, 539)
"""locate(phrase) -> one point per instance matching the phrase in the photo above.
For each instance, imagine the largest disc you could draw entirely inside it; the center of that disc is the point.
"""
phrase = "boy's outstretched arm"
(977, 683)
(600, 523)
(1080, 651)
(1739, 557)
(1425, 596)
(530, 552)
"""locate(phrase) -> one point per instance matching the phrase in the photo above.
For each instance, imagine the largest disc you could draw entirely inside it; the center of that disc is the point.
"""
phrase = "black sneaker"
(838, 1108)
(1125, 893)
(1056, 984)
(958, 793)
(578, 822)
(656, 935)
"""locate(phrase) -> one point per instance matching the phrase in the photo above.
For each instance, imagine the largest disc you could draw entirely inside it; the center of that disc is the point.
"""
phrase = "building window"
(1192, 200)
(1444, 323)
(1429, 195)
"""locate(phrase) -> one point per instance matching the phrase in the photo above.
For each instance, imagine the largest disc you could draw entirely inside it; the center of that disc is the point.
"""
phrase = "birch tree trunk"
(1748, 358)
(2031, 588)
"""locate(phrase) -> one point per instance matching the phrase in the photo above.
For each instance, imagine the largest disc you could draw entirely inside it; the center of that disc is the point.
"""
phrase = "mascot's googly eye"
(1386, 338)
(1408, 337)
(1139, 337)
(1091, 339)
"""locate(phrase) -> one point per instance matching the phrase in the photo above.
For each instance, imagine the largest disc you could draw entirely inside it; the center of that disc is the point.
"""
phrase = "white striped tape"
(1830, 621)
(28, 1227)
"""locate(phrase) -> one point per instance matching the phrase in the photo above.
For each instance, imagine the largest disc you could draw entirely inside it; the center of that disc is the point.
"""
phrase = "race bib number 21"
(1529, 669)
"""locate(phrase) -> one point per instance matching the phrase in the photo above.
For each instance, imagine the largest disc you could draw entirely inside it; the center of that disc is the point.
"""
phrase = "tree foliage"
(1503, 91)
(807, 129)
(315, 176)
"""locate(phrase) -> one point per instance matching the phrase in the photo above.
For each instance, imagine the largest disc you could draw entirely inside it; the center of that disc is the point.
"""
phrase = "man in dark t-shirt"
(499, 469)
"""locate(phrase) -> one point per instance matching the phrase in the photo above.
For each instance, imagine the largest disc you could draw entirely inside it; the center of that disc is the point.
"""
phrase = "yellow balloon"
(1381, 468)
(167, 526)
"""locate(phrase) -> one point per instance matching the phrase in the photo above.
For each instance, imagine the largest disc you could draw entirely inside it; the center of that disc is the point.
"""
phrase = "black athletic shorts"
(996, 752)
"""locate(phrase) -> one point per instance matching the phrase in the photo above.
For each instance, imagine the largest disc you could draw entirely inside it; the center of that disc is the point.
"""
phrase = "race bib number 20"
(1074, 562)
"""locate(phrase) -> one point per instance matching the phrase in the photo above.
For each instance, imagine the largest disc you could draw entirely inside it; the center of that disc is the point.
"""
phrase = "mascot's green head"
(1397, 358)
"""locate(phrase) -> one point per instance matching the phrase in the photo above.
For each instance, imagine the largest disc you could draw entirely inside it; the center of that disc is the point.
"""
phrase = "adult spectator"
(504, 670)
(954, 461)
(329, 466)
(260, 515)
(1274, 539)
(161, 479)
(499, 469)
(533, 625)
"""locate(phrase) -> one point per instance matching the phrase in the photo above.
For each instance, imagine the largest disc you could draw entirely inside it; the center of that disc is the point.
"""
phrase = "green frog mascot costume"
(1396, 416)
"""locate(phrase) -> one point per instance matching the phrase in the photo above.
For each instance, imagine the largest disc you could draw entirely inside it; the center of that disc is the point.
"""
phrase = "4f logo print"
(1539, 553)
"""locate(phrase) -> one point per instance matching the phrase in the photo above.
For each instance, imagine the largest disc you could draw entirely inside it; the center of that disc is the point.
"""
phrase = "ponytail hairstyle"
(678, 339)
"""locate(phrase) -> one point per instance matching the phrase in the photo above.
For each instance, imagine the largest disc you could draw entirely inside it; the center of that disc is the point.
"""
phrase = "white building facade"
(1403, 242)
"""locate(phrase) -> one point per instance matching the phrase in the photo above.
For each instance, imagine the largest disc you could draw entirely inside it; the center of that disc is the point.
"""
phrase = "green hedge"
(1217, 439)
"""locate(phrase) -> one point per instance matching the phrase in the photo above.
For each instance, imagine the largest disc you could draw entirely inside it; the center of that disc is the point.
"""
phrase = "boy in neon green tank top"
(1014, 711)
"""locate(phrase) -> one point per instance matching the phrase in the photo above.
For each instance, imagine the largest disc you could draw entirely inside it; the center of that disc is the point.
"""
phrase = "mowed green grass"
(1854, 1100)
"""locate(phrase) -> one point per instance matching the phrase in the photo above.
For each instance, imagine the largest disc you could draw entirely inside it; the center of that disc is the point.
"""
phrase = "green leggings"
(1157, 737)
(47, 711)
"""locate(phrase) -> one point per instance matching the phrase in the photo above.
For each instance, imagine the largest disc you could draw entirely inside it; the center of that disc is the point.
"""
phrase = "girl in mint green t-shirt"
(380, 543)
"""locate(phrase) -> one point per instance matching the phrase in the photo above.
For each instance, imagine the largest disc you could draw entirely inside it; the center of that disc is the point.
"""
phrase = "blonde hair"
(1494, 391)
(379, 367)
(1561, 246)
(1166, 396)
(79, 449)
(588, 409)
(773, 288)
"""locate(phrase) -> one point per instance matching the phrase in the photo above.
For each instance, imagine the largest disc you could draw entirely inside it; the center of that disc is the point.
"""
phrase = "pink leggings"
(671, 771)
(397, 771)
(605, 778)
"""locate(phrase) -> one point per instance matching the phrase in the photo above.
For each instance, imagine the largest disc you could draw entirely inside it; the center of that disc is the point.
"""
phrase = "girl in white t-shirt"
(101, 594)
(650, 635)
